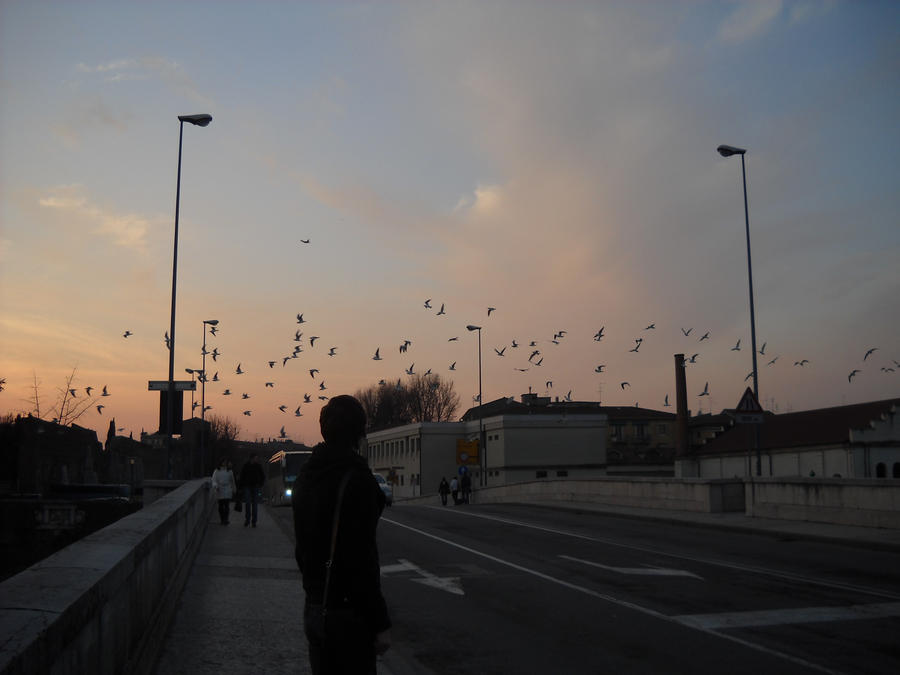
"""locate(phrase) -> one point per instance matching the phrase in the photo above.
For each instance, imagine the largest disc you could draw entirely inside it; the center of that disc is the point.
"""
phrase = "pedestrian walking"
(336, 505)
(223, 484)
(444, 490)
(252, 480)
(466, 486)
(454, 490)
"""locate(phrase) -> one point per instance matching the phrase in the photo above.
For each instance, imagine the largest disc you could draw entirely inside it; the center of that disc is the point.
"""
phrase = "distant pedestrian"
(223, 484)
(454, 490)
(252, 480)
(337, 503)
(466, 486)
(444, 490)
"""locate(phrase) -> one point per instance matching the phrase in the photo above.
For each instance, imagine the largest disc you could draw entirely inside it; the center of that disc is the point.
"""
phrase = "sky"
(554, 161)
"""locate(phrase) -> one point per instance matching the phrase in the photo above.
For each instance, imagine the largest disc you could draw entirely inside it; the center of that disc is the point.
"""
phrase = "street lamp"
(200, 120)
(207, 322)
(482, 451)
(728, 151)
(192, 373)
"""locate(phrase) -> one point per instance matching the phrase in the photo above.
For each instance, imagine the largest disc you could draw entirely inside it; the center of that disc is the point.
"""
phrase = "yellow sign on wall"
(466, 452)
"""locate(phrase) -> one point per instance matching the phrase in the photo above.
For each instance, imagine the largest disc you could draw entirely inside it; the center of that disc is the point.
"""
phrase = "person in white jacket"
(223, 484)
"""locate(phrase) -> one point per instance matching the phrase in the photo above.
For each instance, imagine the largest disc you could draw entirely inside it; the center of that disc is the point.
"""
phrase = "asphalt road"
(525, 589)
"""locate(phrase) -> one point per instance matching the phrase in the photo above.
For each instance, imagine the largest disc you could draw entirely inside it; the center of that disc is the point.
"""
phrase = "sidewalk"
(241, 610)
(863, 537)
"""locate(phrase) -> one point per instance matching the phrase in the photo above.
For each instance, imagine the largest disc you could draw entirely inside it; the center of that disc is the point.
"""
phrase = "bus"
(284, 466)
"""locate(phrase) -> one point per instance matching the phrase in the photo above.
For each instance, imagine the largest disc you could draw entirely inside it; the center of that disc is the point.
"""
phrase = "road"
(526, 589)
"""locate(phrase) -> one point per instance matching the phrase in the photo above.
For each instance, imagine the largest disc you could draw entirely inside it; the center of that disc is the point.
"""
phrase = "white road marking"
(705, 561)
(781, 617)
(449, 584)
(611, 599)
(637, 571)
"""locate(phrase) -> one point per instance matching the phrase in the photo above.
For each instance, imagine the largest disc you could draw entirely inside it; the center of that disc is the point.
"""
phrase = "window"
(640, 430)
(618, 432)
(896, 470)
(881, 470)
(662, 429)
(540, 474)
(562, 474)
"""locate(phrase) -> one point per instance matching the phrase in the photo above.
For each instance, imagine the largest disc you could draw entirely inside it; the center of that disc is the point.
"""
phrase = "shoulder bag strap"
(334, 530)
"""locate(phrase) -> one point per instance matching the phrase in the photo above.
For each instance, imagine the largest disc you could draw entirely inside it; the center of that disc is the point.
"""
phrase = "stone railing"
(103, 604)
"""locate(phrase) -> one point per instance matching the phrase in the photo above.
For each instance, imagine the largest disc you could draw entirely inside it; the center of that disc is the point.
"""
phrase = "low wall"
(843, 501)
(102, 605)
(689, 494)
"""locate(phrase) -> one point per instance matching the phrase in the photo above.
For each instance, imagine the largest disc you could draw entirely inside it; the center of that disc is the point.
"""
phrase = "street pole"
(207, 322)
(198, 120)
(482, 451)
(728, 151)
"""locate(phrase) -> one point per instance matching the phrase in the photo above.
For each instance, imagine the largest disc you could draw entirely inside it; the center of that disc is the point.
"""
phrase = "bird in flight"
(852, 374)
(271, 364)
(548, 384)
(705, 337)
(686, 332)
(428, 303)
(693, 358)
(322, 386)
(332, 351)
(72, 392)
(772, 361)
(762, 350)
(652, 326)
(127, 333)
(514, 345)
(705, 391)
(227, 392)
(522, 370)
(599, 369)
(270, 385)
(323, 398)
(624, 384)
(100, 409)
(376, 357)
(539, 361)
(453, 366)
(247, 413)
(105, 393)
(238, 371)
(499, 351)
(453, 339)
(749, 375)
(297, 412)
(666, 404)
(304, 241)
(300, 319)
(409, 371)
(307, 398)
(869, 352)
(245, 396)
(801, 363)
(281, 433)
(312, 340)
(216, 376)
(282, 408)
(213, 330)
(215, 353)
(599, 334)
(298, 335)
(88, 390)
(441, 310)
(636, 346)
(167, 340)
(285, 360)
(568, 396)
(313, 371)
(737, 347)
(491, 309)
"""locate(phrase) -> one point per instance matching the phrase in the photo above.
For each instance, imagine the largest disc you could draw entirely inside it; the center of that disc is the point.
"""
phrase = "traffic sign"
(748, 410)
(163, 385)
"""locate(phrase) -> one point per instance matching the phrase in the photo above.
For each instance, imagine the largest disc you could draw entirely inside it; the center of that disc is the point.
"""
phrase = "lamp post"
(207, 322)
(728, 151)
(200, 120)
(482, 451)
(191, 372)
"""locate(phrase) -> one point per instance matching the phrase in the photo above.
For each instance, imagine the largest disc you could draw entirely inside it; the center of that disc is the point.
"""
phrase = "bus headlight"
(287, 492)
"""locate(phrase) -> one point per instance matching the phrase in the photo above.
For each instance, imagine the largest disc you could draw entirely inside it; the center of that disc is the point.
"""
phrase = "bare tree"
(69, 407)
(425, 398)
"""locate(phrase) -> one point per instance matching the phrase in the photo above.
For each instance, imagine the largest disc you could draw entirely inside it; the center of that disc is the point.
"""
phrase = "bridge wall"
(102, 605)
(844, 501)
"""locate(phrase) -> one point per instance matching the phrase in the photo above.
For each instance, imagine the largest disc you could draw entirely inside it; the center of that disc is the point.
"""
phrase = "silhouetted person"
(454, 489)
(466, 486)
(349, 627)
(223, 484)
(252, 480)
(444, 490)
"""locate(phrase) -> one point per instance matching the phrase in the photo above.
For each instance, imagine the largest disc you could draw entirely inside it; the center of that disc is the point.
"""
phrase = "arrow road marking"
(638, 571)
(449, 584)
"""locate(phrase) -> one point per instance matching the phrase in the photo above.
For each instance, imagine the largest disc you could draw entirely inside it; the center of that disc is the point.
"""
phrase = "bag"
(238, 506)
(337, 628)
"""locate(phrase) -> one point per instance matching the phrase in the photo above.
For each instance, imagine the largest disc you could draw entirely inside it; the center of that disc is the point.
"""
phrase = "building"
(852, 441)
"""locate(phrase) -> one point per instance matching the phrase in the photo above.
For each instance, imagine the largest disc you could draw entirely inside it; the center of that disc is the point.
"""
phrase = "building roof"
(824, 426)
(534, 405)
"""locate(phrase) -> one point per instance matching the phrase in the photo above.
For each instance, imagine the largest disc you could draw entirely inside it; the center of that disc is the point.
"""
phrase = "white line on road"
(636, 571)
(705, 561)
(781, 617)
(608, 598)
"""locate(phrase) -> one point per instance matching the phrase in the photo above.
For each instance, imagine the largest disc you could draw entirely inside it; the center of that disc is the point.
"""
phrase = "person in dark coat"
(356, 627)
(252, 480)
(444, 490)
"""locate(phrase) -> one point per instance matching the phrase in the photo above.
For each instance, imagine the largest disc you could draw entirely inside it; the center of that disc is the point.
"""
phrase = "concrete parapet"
(843, 501)
(102, 605)
(697, 494)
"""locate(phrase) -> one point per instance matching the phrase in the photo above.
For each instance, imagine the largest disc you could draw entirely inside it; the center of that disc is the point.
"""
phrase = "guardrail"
(103, 604)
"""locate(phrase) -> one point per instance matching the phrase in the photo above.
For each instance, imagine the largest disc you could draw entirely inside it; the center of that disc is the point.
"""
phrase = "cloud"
(127, 230)
(748, 20)
(167, 71)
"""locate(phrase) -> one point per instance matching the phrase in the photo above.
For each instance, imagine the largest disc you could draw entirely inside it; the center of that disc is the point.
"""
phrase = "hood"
(326, 462)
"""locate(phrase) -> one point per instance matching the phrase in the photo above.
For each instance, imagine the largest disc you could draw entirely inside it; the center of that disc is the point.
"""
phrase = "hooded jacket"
(356, 573)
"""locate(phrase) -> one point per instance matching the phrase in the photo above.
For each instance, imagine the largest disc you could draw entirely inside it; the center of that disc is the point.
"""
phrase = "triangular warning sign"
(749, 403)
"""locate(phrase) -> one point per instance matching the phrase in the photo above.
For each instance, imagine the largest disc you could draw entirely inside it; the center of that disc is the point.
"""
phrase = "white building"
(523, 441)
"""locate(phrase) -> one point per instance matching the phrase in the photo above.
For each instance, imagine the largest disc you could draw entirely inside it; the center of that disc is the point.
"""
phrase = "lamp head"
(471, 328)
(200, 120)
(729, 150)
(190, 371)
(212, 322)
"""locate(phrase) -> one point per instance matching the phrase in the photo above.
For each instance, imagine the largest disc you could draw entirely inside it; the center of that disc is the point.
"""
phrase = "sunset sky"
(553, 160)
